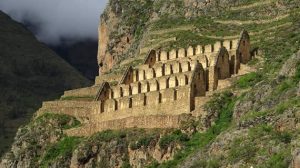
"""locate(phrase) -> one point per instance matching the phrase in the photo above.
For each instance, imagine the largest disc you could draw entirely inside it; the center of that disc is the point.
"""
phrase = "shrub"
(64, 121)
(242, 150)
(64, 148)
(278, 160)
(144, 141)
(109, 135)
(212, 163)
(176, 136)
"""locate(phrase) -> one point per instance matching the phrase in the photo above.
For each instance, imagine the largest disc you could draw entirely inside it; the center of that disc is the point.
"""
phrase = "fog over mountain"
(57, 21)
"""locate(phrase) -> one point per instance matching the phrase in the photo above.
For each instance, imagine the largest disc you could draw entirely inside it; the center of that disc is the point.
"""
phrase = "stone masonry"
(156, 93)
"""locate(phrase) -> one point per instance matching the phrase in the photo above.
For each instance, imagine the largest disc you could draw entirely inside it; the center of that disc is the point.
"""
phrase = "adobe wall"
(147, 122)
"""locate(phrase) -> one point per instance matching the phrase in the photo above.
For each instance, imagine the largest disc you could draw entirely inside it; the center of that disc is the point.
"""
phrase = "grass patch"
(242, 150)
(176, 136)
(283, 106)
(248, 80)
(64, 121)
(254, 114)
(64, 148)
(109, 135)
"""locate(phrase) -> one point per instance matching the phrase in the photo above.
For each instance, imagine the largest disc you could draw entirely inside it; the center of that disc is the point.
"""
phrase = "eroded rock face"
(124, 24)
(296, 159)
(290, 66)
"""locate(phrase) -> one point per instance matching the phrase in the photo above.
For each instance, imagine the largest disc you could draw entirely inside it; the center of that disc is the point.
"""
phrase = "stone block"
(153, 98)
(199, 50)
(138, 100)
(110, 105)
(173, 82)
(182, 79)
(163, 83)
(173, 54)
(185, 66)
(150, 73)
(208, 49)
(181, 53)
(145, 87)
(168, 95)
(168, 69)
(135, 88)
(190, 51)
(126, 90)
(154, 85)
(164, 56)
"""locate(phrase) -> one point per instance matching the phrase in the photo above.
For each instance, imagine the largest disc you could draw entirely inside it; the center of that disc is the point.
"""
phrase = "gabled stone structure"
(156, 93)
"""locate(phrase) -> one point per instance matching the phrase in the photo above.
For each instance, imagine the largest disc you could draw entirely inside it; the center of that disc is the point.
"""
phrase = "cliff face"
(124, 25)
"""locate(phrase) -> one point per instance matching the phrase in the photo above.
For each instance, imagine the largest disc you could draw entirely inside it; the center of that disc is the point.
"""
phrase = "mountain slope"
(255, 122)
(29, 73)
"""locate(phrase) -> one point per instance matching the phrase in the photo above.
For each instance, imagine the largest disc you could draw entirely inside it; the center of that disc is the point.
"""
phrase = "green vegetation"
(143, 142)
(109, 135)
(175, 137)
(211, 163)
(248, 80)
(224, 104)
(259, 142)
(240, 150)
(64, 121)
(63, 148)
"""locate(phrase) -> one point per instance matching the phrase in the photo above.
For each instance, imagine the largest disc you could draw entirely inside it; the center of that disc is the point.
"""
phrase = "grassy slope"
(29, 74)
(278, 40)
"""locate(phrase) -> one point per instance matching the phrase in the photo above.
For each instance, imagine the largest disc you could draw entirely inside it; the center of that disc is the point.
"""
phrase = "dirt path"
(256, 4)
(164, 31)
(251, 33)
(240, 22)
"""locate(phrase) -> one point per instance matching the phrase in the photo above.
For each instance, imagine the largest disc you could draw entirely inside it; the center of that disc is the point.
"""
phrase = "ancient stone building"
(155, 93)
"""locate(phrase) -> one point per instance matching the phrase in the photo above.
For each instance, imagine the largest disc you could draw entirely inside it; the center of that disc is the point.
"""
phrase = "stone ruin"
(156, 93)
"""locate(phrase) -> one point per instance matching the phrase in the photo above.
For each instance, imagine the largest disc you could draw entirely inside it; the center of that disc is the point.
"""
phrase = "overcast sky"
(58, 19)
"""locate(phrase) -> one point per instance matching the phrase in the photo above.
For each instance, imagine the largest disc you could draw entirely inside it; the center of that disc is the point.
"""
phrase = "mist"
(57, 21)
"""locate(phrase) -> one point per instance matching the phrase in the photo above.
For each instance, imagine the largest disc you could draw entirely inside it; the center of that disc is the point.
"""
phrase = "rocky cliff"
(254, 122)
(124, 25)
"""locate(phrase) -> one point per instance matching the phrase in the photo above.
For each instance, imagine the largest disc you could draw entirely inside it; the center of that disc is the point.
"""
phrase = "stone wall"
(152, 121)
(154, 94)
(83, 92)
(107, 78)
(171, 100)
(82, 110)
